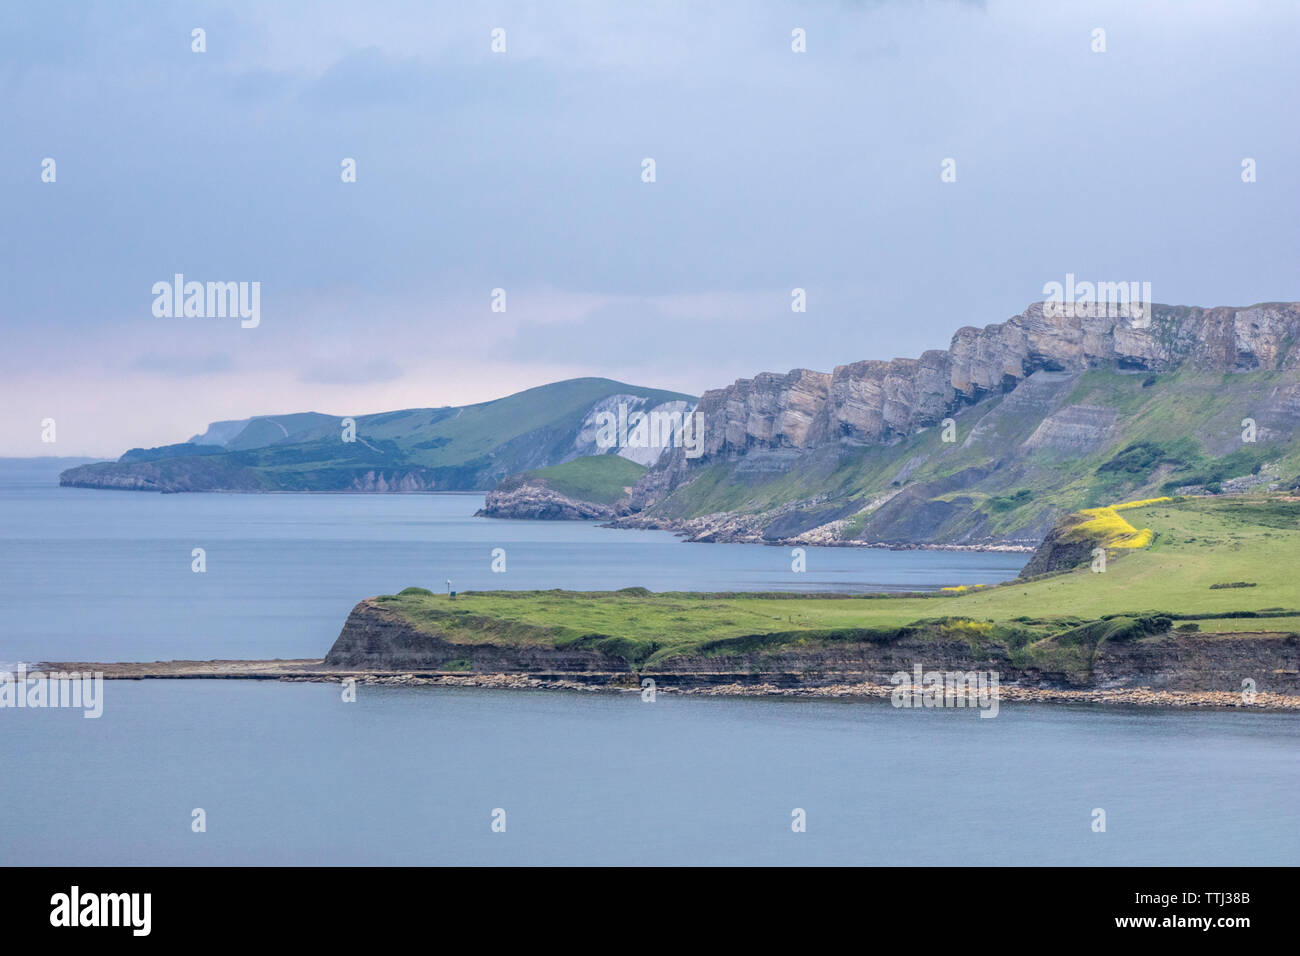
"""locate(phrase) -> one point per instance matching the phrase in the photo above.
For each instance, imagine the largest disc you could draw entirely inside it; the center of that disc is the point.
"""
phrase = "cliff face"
(375, 638)
(1059, 552)
(1029, 414)
(873, 402)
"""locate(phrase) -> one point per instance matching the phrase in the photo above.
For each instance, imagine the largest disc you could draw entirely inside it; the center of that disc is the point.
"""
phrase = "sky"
(522, 170)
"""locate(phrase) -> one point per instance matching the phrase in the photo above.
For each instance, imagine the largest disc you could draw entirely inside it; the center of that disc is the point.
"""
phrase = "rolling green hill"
(466, 448)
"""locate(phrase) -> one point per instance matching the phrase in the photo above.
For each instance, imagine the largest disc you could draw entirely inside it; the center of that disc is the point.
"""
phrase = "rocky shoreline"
(685, 684)
(536, 502)
(695, 531)
(1138, 696)
(728, 528)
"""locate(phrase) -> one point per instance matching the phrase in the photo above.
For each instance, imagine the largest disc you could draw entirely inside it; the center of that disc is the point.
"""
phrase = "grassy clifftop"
(1210, 565)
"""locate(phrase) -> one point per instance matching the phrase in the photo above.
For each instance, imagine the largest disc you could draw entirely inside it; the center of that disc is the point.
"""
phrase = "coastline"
(710, 530)
(688, 684)
(680, 529)
(804, 542)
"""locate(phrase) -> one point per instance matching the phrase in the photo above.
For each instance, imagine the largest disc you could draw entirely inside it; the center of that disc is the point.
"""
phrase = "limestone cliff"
(874, 401)
(1028, 407)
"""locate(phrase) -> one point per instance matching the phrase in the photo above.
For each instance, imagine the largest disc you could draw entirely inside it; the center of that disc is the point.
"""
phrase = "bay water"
(289, 773)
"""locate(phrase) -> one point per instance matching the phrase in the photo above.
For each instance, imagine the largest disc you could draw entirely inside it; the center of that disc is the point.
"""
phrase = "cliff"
(874, 401)
(377, 639)
(989, 441)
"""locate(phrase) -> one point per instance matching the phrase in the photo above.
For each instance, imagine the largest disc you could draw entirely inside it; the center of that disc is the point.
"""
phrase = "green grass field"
(1198, 542)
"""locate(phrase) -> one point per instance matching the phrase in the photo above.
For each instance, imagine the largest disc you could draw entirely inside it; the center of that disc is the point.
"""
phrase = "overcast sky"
(523, 170)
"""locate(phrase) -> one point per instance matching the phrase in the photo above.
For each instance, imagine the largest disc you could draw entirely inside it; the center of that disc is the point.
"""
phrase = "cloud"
(673, 331)
(522, 171)
(182, 366)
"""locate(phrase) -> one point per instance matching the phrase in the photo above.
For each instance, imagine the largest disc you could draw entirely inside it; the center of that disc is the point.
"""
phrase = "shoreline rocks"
(704, 685)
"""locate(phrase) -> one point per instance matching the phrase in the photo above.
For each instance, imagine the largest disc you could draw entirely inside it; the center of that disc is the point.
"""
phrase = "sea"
(210, 772)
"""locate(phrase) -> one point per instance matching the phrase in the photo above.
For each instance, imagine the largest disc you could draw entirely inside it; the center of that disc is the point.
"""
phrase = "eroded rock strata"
(1012, 390)
(875, 401)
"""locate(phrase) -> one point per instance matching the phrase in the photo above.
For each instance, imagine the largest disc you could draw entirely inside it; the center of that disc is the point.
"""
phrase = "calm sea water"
(289, 773)
(106, 575)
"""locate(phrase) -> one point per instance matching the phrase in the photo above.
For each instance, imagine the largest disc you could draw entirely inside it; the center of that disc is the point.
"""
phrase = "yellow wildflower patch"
(1107, 528)
(1140, 504)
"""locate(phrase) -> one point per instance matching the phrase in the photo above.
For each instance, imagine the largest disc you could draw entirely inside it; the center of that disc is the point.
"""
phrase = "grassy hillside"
(466, 448)
(1219, 565)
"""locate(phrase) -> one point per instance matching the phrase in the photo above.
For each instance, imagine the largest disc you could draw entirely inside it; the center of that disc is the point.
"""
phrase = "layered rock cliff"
(1009, 395)
(874, 401)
